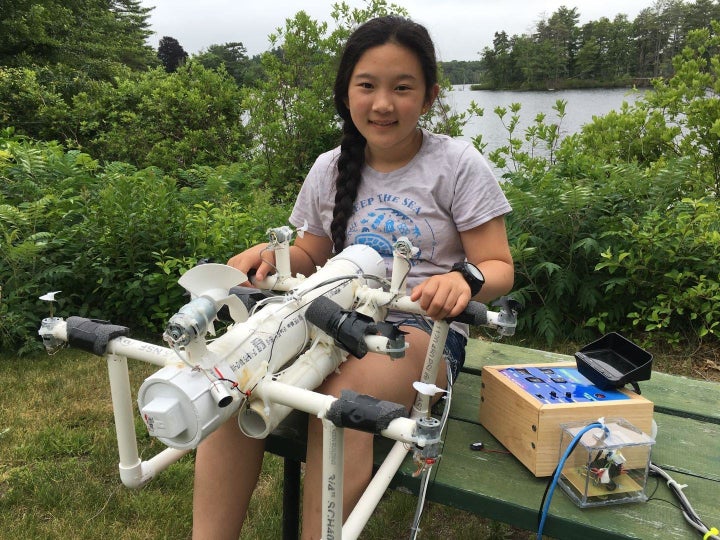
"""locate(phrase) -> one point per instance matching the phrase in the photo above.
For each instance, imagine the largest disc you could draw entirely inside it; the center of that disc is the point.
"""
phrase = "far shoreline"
(571, 84)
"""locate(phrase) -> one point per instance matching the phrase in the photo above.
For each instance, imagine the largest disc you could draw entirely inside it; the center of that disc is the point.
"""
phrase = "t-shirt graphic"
(379, 225)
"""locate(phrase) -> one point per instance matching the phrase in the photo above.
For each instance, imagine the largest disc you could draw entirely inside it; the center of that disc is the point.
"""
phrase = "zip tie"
(427, 389)
(712, 532)
(605, 430)
(680, 487)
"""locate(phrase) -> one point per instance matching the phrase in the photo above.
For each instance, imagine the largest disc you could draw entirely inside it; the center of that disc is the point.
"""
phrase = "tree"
(701, 14)
(557, 38)
(232, 56)
(605, 49)
(293, 116)
(95, 37)
(170, 120)
(498, 62)
(51, 51)
(171, 54)
(650, 40)
(133, 20)
(590, 54)
(620, 44)
(27, 105)
(462, 71)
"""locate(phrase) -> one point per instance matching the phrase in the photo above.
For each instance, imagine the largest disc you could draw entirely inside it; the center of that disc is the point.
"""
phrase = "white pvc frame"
(135, 472)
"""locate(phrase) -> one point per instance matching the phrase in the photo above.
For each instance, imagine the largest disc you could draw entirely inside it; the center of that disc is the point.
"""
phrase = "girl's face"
(386, 97)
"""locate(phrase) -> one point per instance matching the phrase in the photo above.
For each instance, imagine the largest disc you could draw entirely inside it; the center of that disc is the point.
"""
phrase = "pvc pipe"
(146, 352)
(133, 472)
(164, 459)
(381, 344)
(296, 398)
(309, 370)
(431, 367)
(123, 412)
(400, 271)
(332, 480)
(136, 476)
(282, 252)
(277, 283)
(373, 493)
(403, 430)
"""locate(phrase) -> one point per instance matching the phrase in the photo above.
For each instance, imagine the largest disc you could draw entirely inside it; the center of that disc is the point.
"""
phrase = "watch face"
(474, 271)
(472, 275)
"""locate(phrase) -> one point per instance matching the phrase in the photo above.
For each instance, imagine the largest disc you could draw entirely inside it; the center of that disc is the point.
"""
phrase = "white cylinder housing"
(178, 406)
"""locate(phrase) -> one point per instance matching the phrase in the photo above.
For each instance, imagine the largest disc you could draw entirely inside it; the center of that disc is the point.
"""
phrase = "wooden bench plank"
(682, 396)
(481, 353)
(466, 398)
(688, 446)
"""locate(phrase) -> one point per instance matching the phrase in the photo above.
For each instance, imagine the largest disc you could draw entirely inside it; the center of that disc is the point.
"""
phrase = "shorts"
(455, 343)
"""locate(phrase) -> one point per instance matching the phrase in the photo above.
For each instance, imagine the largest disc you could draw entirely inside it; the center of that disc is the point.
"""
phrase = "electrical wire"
(550, 489)
(687, 510)
(425, 480)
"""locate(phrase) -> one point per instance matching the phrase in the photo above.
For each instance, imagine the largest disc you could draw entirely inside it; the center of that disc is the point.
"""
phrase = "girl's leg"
(381, 377)
(227, 467)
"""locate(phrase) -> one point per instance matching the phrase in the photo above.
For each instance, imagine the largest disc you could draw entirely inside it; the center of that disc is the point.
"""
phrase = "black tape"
(92, 335)
(363, 412)
(347, 328)
(475, 314)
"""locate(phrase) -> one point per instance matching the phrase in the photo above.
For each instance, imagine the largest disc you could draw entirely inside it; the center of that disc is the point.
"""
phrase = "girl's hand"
(443, 295)
(256, 260)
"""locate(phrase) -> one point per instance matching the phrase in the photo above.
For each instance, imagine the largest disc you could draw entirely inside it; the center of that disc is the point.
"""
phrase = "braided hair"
(376, 32)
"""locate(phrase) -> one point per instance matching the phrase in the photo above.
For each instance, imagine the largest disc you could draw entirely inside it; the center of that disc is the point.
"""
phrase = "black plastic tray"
(613, 361)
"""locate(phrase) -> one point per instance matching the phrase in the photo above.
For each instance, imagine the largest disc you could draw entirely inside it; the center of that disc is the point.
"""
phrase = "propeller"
(214, 281)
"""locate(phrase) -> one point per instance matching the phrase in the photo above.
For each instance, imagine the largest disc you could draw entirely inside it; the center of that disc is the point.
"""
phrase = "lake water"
(581, 106)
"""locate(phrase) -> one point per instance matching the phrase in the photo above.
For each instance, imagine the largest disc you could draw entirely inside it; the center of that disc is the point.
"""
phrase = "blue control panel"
(554, 385)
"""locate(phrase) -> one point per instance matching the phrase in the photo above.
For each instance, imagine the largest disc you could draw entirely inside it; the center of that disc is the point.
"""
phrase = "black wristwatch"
(472, 275)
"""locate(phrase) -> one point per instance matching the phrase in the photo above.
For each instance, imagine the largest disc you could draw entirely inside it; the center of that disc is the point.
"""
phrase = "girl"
(388, 178)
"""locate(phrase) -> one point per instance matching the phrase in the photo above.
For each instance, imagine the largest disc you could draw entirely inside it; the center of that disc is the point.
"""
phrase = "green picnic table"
(495, 485)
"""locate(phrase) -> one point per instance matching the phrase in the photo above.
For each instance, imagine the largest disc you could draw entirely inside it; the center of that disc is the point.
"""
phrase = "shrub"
(113, 239)
(169, 120)
(615, 228)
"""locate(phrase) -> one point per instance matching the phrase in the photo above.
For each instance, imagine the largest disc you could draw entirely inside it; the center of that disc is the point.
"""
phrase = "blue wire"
(558, 471)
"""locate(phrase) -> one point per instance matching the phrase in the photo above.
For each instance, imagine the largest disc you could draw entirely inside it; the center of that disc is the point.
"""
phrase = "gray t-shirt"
(447, 187)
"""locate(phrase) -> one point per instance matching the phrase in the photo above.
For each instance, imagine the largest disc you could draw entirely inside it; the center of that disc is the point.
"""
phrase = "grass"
(59, 478)
(58, 458)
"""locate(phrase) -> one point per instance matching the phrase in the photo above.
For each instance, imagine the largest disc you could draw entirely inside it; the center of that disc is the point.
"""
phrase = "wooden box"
(530, 429)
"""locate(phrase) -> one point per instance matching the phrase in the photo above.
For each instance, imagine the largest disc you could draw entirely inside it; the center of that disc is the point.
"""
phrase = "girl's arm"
(309, 252)
(486, 246)
(306, 254)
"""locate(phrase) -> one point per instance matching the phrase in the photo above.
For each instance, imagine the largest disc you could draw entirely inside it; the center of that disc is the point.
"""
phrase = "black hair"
(376, 32)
